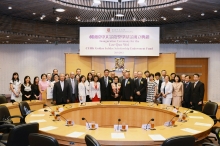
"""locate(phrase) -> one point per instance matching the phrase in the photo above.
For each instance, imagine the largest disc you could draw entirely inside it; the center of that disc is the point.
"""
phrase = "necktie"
(73, 85)
(106, 84)
(139, 81)
(126, 80)
(194, 84)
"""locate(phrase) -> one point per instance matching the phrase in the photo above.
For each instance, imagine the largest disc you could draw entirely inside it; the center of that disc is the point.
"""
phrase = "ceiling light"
(142, 3)
(202, 14)
(59, 10)
(42, 17)
(7, 36)
(189, 16)
(112, 19)
(210, 41)
(78, 20)
(99, 21)
(34, 13)
(134, 19)
(195, 40)
(164, 18)
(58, 19)
(96, 3)
(119, 15)
(215, 11)
(9, 8)
(215, 38)
(29, 39)
(46, 40)
(76, 17)
(144, 19)
(177, 9)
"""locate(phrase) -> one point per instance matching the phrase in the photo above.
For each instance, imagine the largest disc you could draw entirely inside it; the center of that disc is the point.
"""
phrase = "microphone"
(81, 104)
(118, 123)
(173, 117)
(67, 124)
(13, 101)
(153, 103)
(86, 122)
(136, 103)
(149, 122)
(46, 109)
(189, 111)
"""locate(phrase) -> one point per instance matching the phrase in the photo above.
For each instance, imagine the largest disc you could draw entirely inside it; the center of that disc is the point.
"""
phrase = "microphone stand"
(149, 122)
(87, 123)
(118, 124)
(67, 124)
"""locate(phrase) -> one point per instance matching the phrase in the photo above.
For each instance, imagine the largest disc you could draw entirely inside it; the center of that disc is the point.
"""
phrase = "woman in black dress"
(26, 89)
(35, 88)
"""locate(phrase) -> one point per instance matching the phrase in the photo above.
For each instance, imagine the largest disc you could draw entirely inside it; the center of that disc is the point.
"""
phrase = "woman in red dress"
(94, 91)
(116, 86)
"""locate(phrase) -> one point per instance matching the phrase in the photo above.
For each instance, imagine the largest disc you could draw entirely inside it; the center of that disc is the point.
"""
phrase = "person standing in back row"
(197, 93)
(127, 88)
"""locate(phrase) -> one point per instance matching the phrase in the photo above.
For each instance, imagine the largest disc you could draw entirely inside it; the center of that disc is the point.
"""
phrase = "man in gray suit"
(123, 76)
(73, 87)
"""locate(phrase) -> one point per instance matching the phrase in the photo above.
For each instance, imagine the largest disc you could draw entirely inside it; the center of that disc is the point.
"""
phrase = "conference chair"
(210, 109)
(36, 139)
(24, 109)
(91, 141)
(187, 140)
(18, 136)
(3, 99)
(5, 116)
(208, 144)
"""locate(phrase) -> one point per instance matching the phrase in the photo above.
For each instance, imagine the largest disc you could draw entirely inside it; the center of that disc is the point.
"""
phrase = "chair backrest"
(210, 108)
(3, 99)
(187, 140)
(24, 108)
(36, 139)
(18, 136)
(91, 141)
(4, 113)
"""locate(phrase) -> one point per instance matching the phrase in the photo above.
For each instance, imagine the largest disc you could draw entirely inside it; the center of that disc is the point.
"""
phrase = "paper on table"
(37, 115)
(203, 124)
(191, 130)
(48, 128)
(38, 121)
(196, 117)
(117, 135)
(75, 134)
(156, 137)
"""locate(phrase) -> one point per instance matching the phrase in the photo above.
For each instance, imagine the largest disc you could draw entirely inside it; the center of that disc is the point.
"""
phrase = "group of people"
(70, 88)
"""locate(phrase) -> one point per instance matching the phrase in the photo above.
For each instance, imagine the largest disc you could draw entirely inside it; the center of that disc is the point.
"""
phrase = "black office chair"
(36, 139)
(208, 144)
(210, 109)
(3, 99)
(24, 109)
(91, 141)
(187, 140)
(18, 136)
(5, 116)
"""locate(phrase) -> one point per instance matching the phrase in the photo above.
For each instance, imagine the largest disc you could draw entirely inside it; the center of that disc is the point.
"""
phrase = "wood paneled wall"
(153, 64)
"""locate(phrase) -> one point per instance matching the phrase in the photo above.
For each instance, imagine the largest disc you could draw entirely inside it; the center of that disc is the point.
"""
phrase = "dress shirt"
(73, 85)
(62, 84)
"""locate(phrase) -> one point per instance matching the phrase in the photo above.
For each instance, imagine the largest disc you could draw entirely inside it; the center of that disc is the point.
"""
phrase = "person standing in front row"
(26, 89)
(87, 83)
(140, 86)
(197, 93)
(61, 91)
(127, 88)
(15, 87)
(73, 87)
(94, 91)
(35, 88)
(116, 88)
(151, 89)
(187, 92)
(43, 84)
(166, 91)
(105, 83)
(159, 83)
(82, 89)
(177, 92)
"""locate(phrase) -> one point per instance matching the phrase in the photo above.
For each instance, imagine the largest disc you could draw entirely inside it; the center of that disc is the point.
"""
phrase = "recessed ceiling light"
(29, 39)
(134, 19)
(202, 14)
(58, 19)
(99, 21)
(7, 36)
(9, 8)
(59, 10)
(119, 15)
(78, 20)
(164, 18)
(215, 11)
(177, 9)
(112, 19)
(189, 16)
(210, 41)
(195, 40)
(215, 38)
(34, 13)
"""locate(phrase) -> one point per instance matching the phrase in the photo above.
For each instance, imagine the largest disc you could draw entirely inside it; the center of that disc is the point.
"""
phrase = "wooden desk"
(14, 108)
(107, 114)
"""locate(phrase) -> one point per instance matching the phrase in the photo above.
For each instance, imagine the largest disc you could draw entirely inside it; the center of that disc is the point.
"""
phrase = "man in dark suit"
(187, 92)
(123, 76)
(197, 93)
(55, 72)
(73, 87)
(140, 88)
(61, 91)
(127, 88)
(105, 83)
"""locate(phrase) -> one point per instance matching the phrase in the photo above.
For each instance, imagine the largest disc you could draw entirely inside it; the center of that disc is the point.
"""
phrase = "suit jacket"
(168, 89)
(59, 95)
(120, 79)
(142, 88)
(159, 87)
(105, 91)
(197, 93)
(75, 87)
(127, 90)
(187, 92)
(178, 89)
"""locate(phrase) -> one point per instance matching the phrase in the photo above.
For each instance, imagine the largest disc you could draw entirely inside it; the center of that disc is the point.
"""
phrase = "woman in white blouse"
(166, 91)
(15, 87)
(95, 93)
(82, 89)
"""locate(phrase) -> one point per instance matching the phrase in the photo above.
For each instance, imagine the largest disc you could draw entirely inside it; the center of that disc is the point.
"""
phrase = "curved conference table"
(108, 113)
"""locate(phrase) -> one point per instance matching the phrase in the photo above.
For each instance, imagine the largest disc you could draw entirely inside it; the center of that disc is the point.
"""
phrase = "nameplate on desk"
(175, 110)
(37, 115)
(60, 109)
(38, 121)
(90, 126)
(191, 130)
(75, 134)
(48, 128)
(156, 137)
(196, 117)
(168, 123)
(146, 126)
(117, 135)
(119, 127)
(203, 124)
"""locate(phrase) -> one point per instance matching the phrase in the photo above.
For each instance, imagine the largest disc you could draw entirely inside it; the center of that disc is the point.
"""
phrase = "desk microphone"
(189, 111)
(13, 101)
(118, 123)
(83, 104)
(174, 117)
(149, 122)
(136, 103)
(46, 106)
(86, 122)
(58, 115)
(154, 104)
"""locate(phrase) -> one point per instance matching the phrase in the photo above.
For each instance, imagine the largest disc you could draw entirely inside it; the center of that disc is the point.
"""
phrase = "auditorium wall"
(31, 59)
